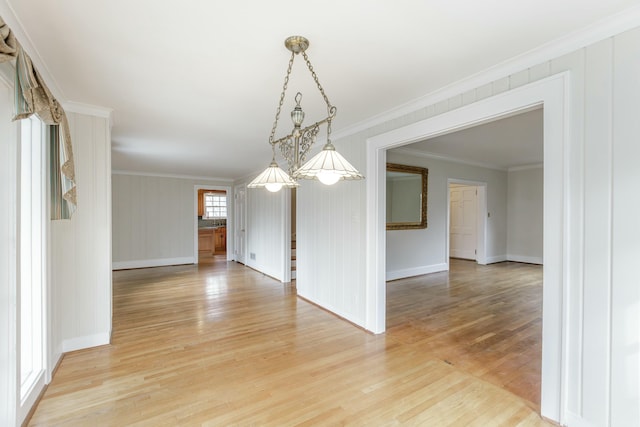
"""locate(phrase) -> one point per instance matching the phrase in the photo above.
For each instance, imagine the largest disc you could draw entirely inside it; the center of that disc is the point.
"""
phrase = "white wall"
(331, 243)
(524, 215)
(423, 251)
(603, 298)
(81, 247)
(268, 232)
(8, 263)
(615, 207)
(154, 219)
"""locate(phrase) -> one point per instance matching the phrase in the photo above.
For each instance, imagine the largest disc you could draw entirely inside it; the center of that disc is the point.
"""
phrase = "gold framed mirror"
(406, 197)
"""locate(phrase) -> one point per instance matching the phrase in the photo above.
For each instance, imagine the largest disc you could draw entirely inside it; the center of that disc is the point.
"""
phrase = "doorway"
(464, 224)
(293, 233)
(551, 94)
(476, 195)
(213, 214)
(240, 198)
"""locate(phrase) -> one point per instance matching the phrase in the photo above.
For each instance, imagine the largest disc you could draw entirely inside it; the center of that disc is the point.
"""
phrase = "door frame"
(481, 218)
(230, 211)
(552, 93)
(240, 257)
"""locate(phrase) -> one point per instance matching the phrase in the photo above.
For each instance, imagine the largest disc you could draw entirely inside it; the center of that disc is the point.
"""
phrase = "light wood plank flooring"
(219, 344)
(484, 320)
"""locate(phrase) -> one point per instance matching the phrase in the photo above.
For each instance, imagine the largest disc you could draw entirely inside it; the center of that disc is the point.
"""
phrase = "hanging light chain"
(315, 79)
(284, 89)
(331, 110)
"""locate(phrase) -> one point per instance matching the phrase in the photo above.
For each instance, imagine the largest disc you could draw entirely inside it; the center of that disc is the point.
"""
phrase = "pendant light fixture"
(328, 166)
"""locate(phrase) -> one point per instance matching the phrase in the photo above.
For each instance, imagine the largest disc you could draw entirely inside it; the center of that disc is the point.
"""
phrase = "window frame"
(218, 204)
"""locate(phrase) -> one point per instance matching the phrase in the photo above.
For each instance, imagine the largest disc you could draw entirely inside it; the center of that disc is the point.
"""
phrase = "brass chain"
(284, 89)
(315, 79)
(331, 110)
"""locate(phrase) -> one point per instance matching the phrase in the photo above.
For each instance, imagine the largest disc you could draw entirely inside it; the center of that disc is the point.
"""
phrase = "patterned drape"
(32, 96)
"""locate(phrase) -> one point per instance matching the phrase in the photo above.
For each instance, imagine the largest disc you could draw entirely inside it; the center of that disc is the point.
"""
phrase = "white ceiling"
(194, 84)
(510, 142)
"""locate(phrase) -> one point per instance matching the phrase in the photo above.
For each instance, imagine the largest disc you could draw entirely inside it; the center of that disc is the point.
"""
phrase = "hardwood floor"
(485, 320)
(219, 344)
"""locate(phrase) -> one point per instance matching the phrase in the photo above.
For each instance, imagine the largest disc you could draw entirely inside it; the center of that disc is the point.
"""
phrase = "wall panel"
(597, 237)
(81, 246)
(330, 251)
(267, 231)
(625, 244)
(524, 215)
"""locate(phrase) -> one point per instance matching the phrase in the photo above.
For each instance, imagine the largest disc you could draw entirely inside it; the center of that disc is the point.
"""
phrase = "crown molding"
(600, 30)
(88, 109)
(168, 175)
(429, 155)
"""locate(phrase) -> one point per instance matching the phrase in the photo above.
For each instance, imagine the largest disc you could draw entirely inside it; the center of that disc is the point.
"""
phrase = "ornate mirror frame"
(424, 173)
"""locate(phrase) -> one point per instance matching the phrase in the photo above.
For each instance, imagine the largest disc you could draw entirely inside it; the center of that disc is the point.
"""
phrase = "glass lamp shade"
(328, 166)
(273, 179)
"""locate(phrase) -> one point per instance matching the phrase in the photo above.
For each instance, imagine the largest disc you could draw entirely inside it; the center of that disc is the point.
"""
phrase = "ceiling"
(510, 142)
(194, 85)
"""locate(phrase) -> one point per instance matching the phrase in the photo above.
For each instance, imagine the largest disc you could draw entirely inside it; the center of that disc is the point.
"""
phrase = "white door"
(240, 221)
(463, 214)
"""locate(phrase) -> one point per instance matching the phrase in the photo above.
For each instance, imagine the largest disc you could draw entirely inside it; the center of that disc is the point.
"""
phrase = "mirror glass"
(406, 197)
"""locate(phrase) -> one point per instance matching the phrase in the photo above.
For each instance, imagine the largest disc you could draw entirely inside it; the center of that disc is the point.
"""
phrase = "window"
(32, 256)
(215, 206)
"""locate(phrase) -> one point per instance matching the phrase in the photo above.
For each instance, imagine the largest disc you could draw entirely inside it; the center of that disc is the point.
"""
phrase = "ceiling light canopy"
(328, 166)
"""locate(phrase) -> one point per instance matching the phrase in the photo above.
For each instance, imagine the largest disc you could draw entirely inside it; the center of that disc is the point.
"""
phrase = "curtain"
(32, 96)
(60, 207)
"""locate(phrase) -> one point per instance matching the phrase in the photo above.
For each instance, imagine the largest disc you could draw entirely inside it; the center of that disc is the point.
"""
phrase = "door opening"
(240, 198)
(550, 93)
(463, 221)
(213, 212)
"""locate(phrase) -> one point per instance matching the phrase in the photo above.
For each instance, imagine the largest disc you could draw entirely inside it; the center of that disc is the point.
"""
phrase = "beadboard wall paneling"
(524, 215)
(267, 231)
(81, 246)
(154, 219)
(625, 235)
(330, 241)
(597, 245)
(603, 127)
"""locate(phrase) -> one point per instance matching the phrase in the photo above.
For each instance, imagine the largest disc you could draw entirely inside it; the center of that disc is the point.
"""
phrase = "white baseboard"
(87, 341)
(497, 258)
(416, 271)
(145, 263)
(523, 258)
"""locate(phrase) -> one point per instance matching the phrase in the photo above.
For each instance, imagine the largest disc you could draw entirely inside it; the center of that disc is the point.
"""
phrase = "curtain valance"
(32, 96)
